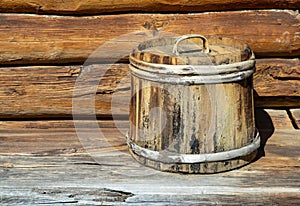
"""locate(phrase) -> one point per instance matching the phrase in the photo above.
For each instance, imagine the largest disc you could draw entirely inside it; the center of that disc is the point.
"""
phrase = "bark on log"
(47, 91)
(88, 7)
(33, 39)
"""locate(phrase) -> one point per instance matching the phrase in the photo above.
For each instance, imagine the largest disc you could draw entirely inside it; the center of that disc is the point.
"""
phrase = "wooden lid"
(192, 50)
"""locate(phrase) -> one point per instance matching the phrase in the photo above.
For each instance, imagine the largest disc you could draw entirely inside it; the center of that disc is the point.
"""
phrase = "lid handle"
(189, 36)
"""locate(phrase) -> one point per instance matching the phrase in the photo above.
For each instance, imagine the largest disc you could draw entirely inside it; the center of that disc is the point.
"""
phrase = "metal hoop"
(174, 158)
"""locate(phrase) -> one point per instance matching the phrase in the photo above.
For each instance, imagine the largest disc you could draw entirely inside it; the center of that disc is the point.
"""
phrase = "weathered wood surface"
(178, 118)
(295, 114)
(283, 72)
(49, 172)
(36, 92)
(59, 136)
(34, 39)
(274, 76)
(279, 118)
(47, 91)
(78, 7)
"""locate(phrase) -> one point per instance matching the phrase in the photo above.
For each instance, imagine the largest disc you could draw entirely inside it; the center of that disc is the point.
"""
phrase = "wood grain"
(58, 137)
(295, 114)
(29, 180)
(35, 39)
(81, 7)
(39, 165)
(48, 91)
(283, 72)
(184, 121)
(279, 118)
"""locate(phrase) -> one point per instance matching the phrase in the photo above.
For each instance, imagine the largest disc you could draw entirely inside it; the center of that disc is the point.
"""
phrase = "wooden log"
(81, 7)
(283, 72)
(295, 114)
(37, 158)
(34, 39)
(274, 76)
(58, 137)
(47, 91)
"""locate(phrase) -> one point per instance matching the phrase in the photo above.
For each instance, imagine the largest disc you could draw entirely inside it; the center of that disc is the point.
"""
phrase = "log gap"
(169, 12)
(54, 117)
(83, 8)
(124, 60)
(293, 120)
(66, 63)
(279, 102)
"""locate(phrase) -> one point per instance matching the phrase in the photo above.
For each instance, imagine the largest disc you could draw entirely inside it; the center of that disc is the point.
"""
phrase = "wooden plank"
(32, 180)
(35, 39)
(47, 91)
(268, 118)
(112, 177)
(295, 114)
(96, 7)
(54, 137)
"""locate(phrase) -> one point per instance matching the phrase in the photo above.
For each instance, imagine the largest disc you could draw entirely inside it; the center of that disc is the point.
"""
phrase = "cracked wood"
(36, 39)
(88, 7)
(47, 91)
(59, 137)
(295, 115)
(32, 172)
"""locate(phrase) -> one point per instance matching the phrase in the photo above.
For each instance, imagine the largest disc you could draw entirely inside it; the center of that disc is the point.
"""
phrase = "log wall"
(47, 91)
(44, 39)
(53, 55)
(41, 56)
(90, 7)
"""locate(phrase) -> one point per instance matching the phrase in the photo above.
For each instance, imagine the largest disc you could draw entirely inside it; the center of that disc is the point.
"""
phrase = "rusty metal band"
(175, 158)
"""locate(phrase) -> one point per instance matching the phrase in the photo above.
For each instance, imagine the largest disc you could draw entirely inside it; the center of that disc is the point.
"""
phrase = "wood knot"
(156, 25)
(8, 165)
(14, 92)
(74, 72)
